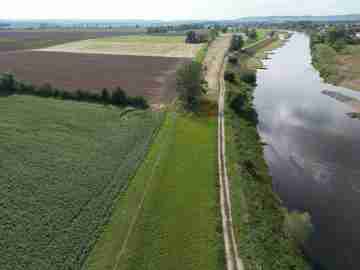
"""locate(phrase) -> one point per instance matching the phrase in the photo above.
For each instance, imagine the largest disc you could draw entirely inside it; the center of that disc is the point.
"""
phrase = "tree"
(45, 90)
(253, 34)
(189, 79)
(7, 83)
(105, 97)
(213, 34)
(119, 97)
(229, 76)
(237, 43)
(248, 77)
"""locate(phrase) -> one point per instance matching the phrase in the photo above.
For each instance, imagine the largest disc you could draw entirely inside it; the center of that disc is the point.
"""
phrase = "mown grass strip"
(108, 250)
(178, 226)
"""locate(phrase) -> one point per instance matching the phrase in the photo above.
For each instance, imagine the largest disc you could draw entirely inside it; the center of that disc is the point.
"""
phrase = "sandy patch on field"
(348, 67)
(178, 50)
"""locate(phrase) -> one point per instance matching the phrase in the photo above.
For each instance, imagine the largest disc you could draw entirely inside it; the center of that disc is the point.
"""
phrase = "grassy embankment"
(201, 54)
(264, 243)
(169, 218)
(62, 165)
(339, 68)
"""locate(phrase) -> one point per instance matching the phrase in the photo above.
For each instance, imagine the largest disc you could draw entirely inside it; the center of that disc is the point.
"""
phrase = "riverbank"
(338, 68)
(258, 215)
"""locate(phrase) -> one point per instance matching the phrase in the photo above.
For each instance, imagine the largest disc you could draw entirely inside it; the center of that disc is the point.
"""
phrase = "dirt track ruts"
(233, 261)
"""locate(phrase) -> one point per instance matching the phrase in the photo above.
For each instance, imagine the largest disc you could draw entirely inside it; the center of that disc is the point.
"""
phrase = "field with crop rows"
(141, 45)
(152, 77)
(62, 165)
(11, 40)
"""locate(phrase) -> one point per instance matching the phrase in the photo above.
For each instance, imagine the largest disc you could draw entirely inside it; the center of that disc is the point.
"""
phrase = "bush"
(298, 225)
(138, 102)
(237, 43)
(248, 77)
(229, 76)
(189, 84)
(233, 60)
(45, 90)
(119, 97)
(105, 96)
(8, 84)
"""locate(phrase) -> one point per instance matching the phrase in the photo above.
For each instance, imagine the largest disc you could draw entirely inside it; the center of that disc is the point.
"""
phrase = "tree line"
(10, 85)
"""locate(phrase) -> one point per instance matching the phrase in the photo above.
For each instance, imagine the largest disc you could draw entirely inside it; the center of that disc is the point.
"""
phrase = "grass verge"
(201, 54)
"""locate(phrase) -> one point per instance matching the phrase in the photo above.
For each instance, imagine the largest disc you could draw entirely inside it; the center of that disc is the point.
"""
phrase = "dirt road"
(213, 63)
(215, 69)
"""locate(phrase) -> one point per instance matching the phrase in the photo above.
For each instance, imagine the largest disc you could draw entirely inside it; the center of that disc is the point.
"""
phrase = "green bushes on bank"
(261, 223)
(9, 85)
(324, 60)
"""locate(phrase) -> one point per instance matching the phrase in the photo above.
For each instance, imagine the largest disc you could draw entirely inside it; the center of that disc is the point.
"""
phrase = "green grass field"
(177, 224)
(62, 165)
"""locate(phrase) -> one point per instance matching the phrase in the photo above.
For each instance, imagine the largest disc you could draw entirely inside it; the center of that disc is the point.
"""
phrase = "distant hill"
(279, 19)
(78, 23)
(146, 23)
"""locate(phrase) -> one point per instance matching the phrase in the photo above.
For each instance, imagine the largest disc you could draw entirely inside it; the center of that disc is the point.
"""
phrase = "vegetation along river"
(313, 152)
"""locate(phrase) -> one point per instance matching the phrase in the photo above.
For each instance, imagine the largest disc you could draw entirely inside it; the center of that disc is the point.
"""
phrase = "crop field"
(141, 45)
(152, 77)
(62, 165)
(33, 39)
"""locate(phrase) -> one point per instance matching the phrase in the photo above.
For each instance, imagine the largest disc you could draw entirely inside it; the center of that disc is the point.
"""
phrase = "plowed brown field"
(152, 77)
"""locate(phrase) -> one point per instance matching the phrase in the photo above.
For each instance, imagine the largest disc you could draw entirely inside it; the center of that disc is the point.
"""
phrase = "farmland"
(63, 164)
(340, 68)
(11, 40)
(172, 216)
(152, 77)
(141, 45)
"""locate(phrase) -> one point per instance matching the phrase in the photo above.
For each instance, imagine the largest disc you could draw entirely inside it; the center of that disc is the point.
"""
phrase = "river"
(313, 152)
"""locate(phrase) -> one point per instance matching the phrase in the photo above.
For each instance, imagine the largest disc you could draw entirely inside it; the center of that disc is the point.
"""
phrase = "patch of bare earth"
(349, 71)
(213, 64)
(152, 77)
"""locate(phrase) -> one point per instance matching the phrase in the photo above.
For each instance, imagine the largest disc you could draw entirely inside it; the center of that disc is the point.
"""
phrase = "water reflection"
(313, 151)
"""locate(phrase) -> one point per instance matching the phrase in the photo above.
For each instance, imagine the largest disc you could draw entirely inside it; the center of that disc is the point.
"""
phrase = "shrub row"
(9, 85)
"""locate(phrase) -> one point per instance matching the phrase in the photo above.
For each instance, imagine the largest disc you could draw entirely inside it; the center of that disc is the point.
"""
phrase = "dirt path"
(215, 66)
(213, 63)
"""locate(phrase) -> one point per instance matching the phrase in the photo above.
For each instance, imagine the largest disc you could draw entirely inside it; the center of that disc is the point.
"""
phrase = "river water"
(313, 152)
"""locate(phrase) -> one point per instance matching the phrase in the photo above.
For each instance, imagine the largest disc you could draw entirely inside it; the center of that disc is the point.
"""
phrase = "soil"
(213, 64)
(152, 77)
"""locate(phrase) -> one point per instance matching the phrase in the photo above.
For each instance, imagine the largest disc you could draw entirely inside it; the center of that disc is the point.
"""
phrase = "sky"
(171, 10)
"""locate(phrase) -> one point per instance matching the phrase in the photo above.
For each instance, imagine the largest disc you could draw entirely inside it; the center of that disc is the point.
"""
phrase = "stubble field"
(140, 45)
(11, 40)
